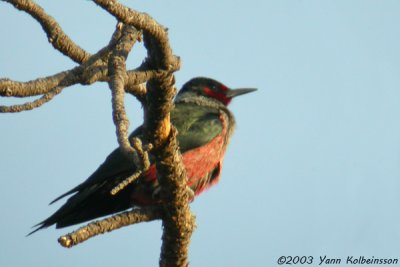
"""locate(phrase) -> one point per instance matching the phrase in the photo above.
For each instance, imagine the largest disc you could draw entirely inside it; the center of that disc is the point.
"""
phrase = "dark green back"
(196, 125)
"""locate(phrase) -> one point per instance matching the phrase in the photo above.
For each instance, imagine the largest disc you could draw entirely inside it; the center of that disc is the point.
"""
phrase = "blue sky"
(313, 168)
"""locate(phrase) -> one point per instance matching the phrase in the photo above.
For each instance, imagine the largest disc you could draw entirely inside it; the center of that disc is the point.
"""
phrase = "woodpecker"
(204, 125)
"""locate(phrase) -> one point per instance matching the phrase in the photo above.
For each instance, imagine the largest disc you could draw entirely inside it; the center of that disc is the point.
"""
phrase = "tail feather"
(39, 226)
(64, 195)
(87, 205)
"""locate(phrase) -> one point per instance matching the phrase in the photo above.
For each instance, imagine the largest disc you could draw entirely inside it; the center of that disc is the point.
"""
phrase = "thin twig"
(122, 185)
(110, 224)
(142, 153)
(34, 104)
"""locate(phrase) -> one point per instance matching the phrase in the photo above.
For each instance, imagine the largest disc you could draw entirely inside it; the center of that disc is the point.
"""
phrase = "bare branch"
(142, 152)
(157, 98)
(55, 34)
(34, 104)
(94, 69)
(147, 24)
(122, 185)
(88, 73)
(31, 88)
(178, 221)
(117, 80)
(110, 224)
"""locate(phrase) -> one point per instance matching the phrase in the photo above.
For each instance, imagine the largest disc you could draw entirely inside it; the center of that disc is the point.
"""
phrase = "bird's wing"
(115, 165)
(196, 126)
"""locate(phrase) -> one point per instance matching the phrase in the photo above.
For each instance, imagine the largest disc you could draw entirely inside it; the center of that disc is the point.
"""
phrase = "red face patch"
(223, 88)
(218, 95)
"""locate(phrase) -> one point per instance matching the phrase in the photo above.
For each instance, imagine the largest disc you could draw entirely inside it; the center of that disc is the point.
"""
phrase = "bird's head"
(210, 88)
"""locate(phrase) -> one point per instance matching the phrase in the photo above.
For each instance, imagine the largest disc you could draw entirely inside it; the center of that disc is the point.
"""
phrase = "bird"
(205, 126)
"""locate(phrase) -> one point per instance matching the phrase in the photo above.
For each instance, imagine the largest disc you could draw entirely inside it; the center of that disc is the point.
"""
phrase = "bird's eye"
(215, 88)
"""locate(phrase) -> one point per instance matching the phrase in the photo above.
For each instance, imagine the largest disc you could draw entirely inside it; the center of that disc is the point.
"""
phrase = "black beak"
(240, 91)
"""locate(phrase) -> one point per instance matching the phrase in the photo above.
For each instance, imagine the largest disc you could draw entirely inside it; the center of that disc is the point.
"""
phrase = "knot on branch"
(6, 88)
